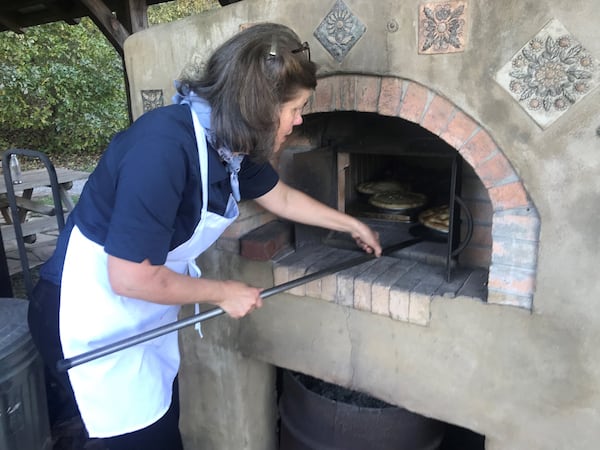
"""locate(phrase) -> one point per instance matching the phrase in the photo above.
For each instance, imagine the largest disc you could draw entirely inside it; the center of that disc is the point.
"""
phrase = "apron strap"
(203, 157)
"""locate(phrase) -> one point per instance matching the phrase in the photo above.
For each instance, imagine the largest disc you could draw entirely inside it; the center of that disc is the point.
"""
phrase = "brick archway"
(515, 221)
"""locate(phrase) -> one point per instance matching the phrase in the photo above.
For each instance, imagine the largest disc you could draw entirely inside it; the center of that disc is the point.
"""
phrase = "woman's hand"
(239, 299)
(294, 205)
(367, 239)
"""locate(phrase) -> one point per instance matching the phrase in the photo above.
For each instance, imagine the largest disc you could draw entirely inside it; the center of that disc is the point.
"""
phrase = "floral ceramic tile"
(339, 30)
(442, 27)
(549, 74)
(152, 98)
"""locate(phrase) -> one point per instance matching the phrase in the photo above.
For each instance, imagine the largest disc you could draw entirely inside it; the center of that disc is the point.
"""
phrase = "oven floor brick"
(399, 288)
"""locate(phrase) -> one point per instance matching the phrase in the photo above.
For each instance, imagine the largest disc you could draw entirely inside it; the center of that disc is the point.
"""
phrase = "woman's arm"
(294, 205)
(159, 284)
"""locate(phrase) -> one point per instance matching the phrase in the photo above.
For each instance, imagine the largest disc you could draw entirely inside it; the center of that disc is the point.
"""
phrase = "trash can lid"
(13, 323)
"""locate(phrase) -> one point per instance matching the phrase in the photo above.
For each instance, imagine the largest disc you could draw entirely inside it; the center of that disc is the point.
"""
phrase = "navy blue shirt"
(145, 196)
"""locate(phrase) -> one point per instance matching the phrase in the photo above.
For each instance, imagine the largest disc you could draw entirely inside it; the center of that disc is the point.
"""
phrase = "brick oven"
(492, 330)
(338, 151)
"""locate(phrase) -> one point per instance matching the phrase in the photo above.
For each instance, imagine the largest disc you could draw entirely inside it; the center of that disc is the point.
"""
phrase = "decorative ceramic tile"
(339, 30)
(549, 74)
(152, 98)
(442, 27)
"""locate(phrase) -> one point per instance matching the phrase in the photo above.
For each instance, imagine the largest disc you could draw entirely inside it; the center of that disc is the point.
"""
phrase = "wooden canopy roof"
(117, 19)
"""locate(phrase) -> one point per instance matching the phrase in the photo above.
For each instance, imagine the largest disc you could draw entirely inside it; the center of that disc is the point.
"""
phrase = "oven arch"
(515, 220)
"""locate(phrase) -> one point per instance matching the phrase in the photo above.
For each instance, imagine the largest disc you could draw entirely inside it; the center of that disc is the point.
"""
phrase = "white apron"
(130, 389)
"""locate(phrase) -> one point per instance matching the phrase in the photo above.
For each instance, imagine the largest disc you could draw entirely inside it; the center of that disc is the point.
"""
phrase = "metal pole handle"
(65, 364)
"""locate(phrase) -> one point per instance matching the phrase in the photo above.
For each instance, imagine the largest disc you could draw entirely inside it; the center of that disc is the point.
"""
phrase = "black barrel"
(23, 407)
(311, 420)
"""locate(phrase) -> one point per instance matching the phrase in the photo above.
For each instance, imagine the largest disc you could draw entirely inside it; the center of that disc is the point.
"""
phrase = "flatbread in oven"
(397, 200)
(437, 218)
(374, 187)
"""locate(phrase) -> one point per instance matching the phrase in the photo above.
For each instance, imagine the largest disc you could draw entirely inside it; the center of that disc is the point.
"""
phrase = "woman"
(162, 193)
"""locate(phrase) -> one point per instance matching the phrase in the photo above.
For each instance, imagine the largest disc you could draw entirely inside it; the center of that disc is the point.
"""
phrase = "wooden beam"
(10, 23)
(63, 9)
(24, 21)
(136, 15)
(110, 26)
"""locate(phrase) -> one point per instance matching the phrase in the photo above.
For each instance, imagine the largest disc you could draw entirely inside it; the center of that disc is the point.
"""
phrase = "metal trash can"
(24, 421)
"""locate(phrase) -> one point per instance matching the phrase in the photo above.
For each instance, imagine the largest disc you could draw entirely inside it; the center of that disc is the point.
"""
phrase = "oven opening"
(407, 184)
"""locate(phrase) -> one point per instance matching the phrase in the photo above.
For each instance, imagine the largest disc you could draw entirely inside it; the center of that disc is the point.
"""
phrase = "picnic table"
(33, 181)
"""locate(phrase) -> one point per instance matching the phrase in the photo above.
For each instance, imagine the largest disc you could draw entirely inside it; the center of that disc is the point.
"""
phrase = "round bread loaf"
(437, 218)
(375, 187)
(397, 200)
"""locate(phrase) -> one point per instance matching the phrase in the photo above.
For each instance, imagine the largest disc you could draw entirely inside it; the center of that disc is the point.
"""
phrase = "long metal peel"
(65, 364)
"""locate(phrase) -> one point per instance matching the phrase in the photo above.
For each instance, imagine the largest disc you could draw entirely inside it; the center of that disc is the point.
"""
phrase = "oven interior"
(376, 152)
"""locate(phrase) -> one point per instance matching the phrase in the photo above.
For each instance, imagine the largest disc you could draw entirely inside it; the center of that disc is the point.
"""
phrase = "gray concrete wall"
(526, 379)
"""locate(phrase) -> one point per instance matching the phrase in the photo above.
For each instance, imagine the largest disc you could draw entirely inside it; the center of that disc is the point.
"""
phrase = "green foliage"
(62, 86)
(170, 11)
(62, 89)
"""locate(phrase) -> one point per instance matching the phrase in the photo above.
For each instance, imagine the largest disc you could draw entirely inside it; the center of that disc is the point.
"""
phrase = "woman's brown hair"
(246, 80)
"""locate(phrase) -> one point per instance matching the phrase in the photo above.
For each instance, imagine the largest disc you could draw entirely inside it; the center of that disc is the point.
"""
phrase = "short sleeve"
(256, 179)
(149, 189)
